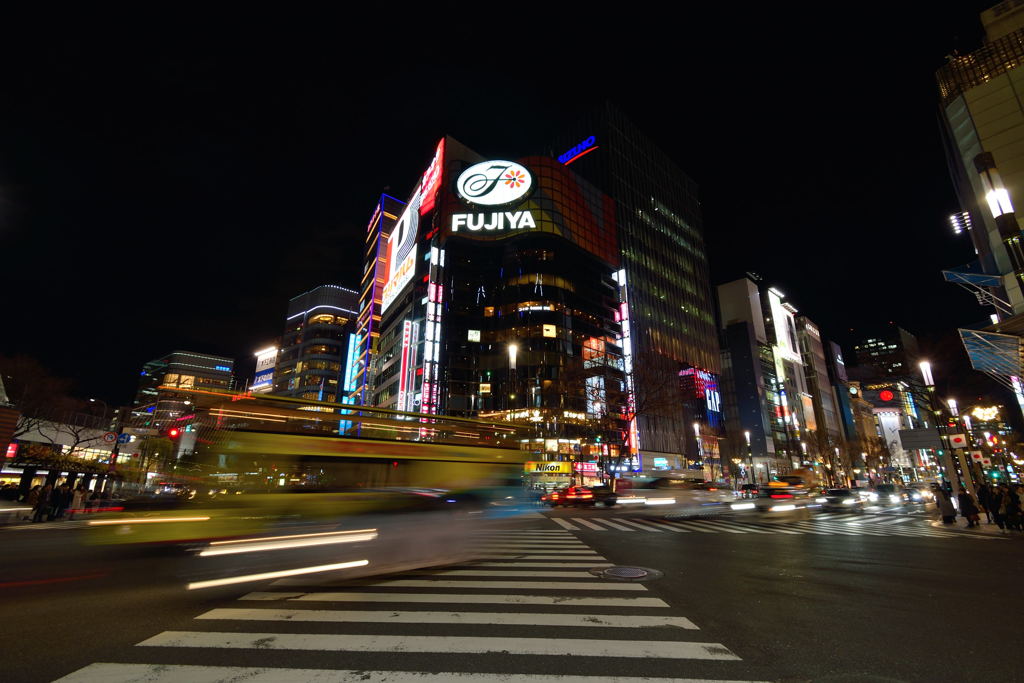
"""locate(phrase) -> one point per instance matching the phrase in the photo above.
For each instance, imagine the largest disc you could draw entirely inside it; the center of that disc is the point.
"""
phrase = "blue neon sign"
(585, 147)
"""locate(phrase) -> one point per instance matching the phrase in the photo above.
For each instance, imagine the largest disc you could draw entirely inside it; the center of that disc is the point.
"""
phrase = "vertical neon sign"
(403, 370)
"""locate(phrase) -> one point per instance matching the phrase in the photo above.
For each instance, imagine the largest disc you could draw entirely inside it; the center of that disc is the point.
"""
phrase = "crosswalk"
(47, 526)
(837, 524)
(513, 617)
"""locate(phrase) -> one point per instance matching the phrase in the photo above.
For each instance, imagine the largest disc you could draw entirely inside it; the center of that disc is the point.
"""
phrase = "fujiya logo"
(494, 183)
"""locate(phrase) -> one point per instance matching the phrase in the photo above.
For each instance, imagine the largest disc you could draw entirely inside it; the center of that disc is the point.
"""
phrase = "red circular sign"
(885, 395)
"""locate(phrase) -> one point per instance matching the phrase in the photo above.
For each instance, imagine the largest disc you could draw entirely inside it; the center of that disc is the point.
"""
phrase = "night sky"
(172, 187)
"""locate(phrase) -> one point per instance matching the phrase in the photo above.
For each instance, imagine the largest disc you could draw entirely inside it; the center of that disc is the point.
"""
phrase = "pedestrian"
(985, 500)
(77, 501)
(61, 501)
(968, 510)
(32, 498)
(1008, 505)
(1013, 509)
(42, 506)
(997, 507)
(946, 508)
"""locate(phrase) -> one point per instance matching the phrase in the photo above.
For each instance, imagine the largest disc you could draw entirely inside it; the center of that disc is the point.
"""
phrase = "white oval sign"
(494, 183)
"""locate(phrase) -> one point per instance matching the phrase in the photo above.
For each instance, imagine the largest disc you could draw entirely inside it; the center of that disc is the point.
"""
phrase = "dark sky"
(172, 186)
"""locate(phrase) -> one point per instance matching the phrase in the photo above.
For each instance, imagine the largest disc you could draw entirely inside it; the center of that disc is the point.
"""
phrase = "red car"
(579, 495)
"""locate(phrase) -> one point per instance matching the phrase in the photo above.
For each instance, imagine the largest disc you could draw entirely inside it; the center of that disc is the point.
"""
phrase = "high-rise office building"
(665, 273)
(315, 343)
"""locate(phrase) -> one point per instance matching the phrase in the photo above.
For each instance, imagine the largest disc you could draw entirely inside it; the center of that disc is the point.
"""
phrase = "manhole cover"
(627, 573)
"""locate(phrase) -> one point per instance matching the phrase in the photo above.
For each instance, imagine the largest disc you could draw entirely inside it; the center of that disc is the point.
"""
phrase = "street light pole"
(750, 458)
(947, 456)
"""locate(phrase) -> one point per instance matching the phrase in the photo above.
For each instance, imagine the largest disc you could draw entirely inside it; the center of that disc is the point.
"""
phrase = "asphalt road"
(832, 598)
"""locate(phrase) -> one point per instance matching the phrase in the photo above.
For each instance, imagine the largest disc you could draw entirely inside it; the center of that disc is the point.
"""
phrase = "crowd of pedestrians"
(49, 503)
(1001, 504)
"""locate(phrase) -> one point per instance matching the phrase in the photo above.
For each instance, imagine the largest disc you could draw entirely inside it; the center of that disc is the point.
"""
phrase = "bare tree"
(37, 394)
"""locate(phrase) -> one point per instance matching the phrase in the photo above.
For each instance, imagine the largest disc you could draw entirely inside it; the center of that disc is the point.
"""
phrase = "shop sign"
(497, 184)
(543, 467)
(499, 220)
(584, 147)
(585, 467)
(494, 183)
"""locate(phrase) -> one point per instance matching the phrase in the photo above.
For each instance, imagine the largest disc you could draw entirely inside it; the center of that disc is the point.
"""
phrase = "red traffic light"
(173, 433)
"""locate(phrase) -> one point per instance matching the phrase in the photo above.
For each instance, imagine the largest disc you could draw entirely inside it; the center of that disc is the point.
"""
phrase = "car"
(912, 496)
(923, 488)
(674, 496)
(581, 495)
(888, 494)
(840, 499)
(750, 490)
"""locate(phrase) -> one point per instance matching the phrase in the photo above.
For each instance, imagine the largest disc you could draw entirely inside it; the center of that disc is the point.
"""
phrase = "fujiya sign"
(493, 183)
(499, 220)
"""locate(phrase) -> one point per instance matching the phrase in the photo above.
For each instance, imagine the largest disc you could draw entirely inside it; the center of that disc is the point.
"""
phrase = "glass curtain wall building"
(672, 325)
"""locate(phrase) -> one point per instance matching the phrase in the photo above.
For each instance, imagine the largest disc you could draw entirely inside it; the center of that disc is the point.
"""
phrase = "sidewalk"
(985, 528)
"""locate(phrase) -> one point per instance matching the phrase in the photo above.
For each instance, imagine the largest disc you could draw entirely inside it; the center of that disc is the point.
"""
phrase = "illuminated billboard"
(266, 359)
(401, 252)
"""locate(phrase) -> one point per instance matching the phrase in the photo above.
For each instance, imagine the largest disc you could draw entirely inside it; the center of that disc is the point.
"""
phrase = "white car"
(674, 497)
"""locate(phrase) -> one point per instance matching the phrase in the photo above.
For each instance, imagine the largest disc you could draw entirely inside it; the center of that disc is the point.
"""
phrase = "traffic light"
(173, 433)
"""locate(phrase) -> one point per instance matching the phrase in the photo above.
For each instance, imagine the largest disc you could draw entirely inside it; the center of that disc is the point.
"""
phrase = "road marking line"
(580, 520)
(691, 526)
(468, 599)
(174, 673)
(645, 649)
(492, 618)
(654, 525)
(776, 529)
(612, 524)
(564, 524)
(531, 547)
(746, 526)
(524, 585)
(667, 527)
(897, 520)
(714, 524)
(634, 524)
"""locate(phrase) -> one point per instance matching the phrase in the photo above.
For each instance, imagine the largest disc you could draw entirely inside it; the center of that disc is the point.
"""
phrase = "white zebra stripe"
(329, 642)
(489, 618)
(176, 673)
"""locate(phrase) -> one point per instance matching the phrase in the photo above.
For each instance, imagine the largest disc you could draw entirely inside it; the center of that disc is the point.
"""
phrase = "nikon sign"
(493, 184)
(545, 467)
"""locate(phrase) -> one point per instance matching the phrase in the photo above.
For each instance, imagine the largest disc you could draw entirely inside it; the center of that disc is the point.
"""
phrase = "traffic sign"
(124, 438)
(109, 437)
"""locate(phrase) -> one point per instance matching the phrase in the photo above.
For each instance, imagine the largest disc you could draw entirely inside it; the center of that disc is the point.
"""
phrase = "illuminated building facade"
(983, 135)
(665, 270)
(826, 437)
(315, 342)
(359, 370)
(157, 403)
(983, 126)
(501, 298)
